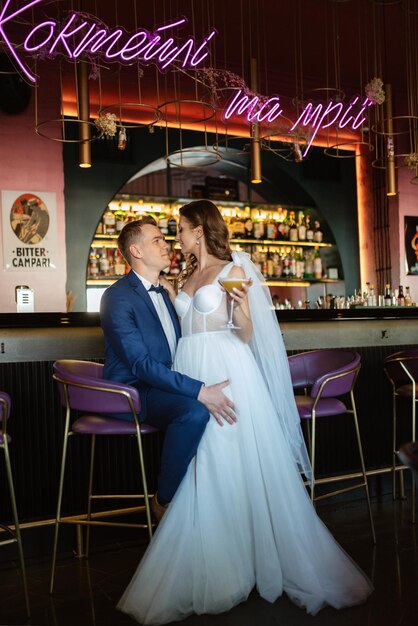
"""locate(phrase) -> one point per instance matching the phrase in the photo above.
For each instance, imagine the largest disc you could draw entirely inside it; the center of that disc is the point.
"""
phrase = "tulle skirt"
(241, 517)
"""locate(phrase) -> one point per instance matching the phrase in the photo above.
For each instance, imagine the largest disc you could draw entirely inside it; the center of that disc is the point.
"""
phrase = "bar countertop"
(80, 319)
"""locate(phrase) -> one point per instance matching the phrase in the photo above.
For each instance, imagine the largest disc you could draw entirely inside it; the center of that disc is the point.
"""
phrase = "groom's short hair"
(130, 234)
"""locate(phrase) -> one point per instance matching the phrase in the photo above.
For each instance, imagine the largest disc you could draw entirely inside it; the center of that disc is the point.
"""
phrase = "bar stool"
(408, 454)
(82, 388)
(14, 533)
(326, 375)
(401, 368)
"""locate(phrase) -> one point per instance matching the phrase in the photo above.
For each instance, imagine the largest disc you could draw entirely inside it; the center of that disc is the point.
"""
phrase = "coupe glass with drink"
(229, 284)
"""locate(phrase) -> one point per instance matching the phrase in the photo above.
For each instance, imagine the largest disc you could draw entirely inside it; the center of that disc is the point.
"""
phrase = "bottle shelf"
(271, 282)
(109, 241)
(266, 231)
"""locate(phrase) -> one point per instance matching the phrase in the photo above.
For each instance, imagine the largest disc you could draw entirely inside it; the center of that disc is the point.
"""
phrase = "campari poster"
(29, 231)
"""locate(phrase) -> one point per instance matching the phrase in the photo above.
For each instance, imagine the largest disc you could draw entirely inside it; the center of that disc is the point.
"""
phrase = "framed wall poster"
(411, 245)
(29, 231)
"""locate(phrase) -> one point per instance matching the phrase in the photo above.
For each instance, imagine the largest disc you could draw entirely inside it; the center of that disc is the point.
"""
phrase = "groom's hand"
(217, 403)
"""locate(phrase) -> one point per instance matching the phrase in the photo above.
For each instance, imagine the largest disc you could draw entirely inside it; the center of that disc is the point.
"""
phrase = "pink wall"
(29, 163)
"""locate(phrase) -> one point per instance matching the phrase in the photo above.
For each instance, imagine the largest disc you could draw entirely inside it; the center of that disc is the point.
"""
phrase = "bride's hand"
(169, 287)
(239, 295)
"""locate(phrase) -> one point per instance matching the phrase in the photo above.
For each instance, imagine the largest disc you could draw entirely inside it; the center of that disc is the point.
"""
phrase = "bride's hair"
(207, 215)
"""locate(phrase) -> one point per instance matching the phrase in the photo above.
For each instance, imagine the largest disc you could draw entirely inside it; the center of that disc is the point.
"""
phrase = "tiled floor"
(86, 592)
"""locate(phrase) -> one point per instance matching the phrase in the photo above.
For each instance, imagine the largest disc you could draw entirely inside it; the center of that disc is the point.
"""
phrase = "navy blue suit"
(137, 353)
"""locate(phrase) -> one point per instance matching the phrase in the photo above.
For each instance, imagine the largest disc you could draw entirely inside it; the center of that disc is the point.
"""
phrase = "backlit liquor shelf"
(290, 246)
(271, 282)
(110, 241)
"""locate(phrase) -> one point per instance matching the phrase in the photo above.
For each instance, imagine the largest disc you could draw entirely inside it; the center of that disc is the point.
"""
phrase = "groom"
(141, 331)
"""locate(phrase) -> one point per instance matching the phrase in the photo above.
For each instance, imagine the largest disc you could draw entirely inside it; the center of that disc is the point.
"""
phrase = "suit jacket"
(136, 348)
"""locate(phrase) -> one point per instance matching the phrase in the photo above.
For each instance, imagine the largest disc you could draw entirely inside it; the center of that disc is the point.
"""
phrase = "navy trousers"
(184, 420)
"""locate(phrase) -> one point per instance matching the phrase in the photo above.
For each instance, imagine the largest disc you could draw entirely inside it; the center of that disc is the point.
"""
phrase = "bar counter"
(49, 336)
(31, 342)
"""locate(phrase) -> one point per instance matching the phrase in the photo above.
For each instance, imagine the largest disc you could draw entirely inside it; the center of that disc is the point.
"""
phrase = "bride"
(241, 517)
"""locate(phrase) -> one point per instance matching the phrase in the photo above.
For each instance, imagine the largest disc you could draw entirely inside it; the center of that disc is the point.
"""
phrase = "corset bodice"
(206, 310)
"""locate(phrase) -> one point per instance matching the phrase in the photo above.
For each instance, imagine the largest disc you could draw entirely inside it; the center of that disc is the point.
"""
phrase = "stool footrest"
(85, 522)
(97, 514)
(338, 491)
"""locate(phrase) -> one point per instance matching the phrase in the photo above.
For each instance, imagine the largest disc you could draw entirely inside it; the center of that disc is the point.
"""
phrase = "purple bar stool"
(82, 388)
(326, 375)
(402, 370)
(14, 533)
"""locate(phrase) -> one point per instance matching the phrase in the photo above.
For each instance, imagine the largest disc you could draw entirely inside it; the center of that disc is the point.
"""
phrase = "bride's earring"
(197, 242)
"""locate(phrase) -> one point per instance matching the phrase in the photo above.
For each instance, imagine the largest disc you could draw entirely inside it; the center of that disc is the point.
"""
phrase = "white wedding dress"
(241, 517)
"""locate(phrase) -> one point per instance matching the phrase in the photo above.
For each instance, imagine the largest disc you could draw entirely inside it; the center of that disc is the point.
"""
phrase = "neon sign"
(314, 116)
(83, 35)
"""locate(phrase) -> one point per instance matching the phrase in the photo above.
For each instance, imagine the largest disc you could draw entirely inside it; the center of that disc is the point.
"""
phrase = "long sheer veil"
(270, 353)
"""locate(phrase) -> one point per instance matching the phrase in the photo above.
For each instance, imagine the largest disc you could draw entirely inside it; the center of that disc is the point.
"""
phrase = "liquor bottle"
(301, 227)
(309, 259)
(401, 297)
(163, 223)
(130, 215)
(172, 226)
(238, 227)
(277, 267)
(279, 223)
(104, 263)
(120, 219)
(119, 266)
(264, 265)
(111, 270)
(270, 264)
(292, 264)
(271, 228)
(284, 226)
(293, 228)
(309, 229)
(317, 265)
(300, 264)
(387, 299)
(175, 263)
(365, 297)
(93, 264)
(249, 228)
(317, 236)
(408, 299)
(109, 223)
(372, 297)
(286, 266)
(258, 229)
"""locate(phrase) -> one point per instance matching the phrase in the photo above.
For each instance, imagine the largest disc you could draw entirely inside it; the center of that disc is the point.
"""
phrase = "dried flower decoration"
(217, 80)
(411, 160)
(107, 124)
(374, 91)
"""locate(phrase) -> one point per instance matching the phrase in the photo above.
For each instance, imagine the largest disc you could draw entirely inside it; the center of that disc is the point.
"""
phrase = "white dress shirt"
(163, 314)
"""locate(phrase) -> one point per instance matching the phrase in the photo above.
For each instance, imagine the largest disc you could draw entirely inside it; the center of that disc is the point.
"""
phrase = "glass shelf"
(271, 282)
(109, 241)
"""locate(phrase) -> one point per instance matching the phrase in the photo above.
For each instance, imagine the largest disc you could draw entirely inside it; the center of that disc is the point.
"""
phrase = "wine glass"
(229, 284)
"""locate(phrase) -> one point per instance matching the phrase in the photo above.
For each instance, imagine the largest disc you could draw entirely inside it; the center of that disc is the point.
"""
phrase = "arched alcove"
(322, 182)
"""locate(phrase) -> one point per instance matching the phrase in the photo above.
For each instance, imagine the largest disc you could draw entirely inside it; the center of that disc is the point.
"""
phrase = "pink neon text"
(83, 35)
(316, 117)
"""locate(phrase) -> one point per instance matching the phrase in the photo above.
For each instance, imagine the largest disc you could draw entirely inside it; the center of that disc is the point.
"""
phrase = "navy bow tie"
(157, 289)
